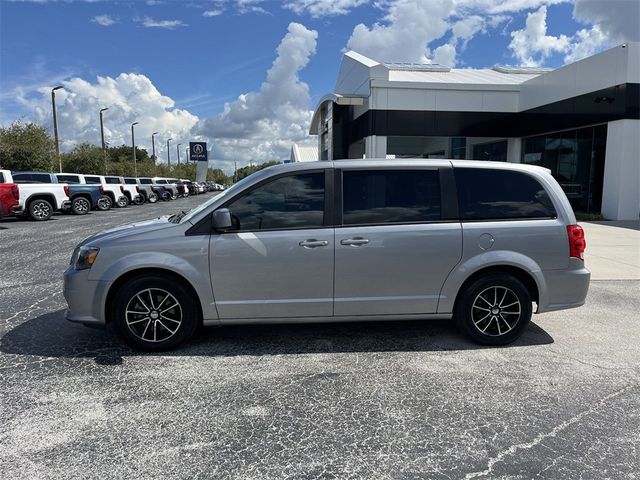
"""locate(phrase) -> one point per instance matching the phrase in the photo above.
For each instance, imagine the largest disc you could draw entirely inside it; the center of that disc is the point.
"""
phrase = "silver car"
(485, 244)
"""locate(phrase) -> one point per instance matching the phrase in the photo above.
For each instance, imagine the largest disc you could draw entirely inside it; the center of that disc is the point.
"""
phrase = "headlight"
(83, 257)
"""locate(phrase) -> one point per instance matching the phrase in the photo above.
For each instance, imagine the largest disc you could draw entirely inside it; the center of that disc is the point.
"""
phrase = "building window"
(494, 151)
(458, 148)
(576, 160)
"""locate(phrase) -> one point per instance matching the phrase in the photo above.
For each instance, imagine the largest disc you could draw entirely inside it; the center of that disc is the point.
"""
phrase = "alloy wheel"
(496, 311)
(153, 315)
(41, 210)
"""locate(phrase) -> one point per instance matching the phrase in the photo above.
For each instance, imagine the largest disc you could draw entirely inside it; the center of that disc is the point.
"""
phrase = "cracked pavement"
(391, 400)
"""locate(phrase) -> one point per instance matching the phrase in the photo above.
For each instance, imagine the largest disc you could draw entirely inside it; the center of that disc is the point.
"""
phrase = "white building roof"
(485, 76)
(304, 153)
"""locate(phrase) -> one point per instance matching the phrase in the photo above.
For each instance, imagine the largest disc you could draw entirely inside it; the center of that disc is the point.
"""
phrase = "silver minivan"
(485, 244)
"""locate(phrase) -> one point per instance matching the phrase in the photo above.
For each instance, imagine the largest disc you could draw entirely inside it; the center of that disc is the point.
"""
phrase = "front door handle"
(354, 242)
(313, 243)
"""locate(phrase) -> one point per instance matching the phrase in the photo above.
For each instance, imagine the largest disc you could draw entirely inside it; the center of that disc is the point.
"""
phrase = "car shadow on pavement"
(50, 335)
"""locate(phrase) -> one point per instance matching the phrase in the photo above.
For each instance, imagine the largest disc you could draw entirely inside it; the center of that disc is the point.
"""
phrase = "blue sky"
(201, 62)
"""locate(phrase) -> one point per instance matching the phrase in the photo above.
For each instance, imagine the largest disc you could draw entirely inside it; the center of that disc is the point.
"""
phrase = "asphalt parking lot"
(363, 401)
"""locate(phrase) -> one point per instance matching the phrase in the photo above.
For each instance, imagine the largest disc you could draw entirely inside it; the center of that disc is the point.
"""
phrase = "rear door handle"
(354, 242)
(313, 243)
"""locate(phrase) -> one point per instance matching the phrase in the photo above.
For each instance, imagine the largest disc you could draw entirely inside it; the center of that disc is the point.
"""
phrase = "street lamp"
(55, 123)
(168, 152)
(104, 150)
(186, 154)
(178, 150)
(153, 146)
(133, 144)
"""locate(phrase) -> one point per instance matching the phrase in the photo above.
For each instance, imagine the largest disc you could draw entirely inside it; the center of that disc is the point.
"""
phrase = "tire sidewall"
(32, 205)
(463, 308)
(107, 200)
(153, 198)
(74, 207)
(190, 317)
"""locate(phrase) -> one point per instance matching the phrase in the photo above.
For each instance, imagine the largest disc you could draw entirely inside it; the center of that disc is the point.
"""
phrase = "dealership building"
(582, 121)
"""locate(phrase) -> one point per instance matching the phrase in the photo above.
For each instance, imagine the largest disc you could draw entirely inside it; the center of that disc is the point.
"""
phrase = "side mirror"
(221, 220)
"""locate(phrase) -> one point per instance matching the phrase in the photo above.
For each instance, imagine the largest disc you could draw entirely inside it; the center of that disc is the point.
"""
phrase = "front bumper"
(84, 297)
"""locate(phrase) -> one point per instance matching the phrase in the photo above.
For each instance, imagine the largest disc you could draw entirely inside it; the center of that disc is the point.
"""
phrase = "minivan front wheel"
(154, 313)
(494, 309)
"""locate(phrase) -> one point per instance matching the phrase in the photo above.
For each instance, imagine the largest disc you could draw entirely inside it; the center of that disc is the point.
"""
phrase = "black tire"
(40, 210)
(488, 304)
(138, 200)
(166, 196)
(122, 202)
(145, 294)
(104, 203)
(153, 198)
(80, 206)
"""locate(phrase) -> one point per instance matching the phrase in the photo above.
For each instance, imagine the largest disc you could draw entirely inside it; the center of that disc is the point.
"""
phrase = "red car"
(9, 196)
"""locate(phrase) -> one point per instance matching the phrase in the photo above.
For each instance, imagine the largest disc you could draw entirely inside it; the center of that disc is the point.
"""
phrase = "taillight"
(66, 190)
(101, 189)
(138, 188)
(122, 188)
(16, 192)
(577, 242)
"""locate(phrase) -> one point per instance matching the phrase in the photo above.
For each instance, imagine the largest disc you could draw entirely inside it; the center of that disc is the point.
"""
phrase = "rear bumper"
(16, 210)
(565, 288)
(66, 205)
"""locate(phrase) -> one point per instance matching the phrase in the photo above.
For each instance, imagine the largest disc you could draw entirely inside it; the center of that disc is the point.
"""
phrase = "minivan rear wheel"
(494, 309)
(154, 313)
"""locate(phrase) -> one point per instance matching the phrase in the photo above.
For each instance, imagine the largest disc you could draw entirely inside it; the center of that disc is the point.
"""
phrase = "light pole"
(133, 144)
(153, 146)
(55, 123)
(186, 154)
(178, 151)
(168, 152)
(104, 149)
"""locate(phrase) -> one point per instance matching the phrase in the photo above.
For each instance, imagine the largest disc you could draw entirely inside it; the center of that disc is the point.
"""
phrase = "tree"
(246, 171)
(26, 146)
(84, 158)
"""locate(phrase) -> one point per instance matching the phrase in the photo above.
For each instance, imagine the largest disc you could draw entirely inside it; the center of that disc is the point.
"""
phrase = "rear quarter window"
(112, 180)
(92, 179)
(493, 194)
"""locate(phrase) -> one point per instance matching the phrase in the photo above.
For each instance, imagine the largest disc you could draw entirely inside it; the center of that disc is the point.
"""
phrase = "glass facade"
(461, 148)
(494, 151)
(576, 160)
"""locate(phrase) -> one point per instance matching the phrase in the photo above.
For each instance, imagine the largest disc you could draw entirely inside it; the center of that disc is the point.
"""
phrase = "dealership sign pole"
(198, 153)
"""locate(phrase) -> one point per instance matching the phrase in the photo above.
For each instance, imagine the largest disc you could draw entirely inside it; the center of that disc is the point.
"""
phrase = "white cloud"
(262, 125)
(619, 20)
(212, 13)
(409, 26)
(130, 98)
(323, 8)
(104, 20)
(531, 45)
(149, 22)
(586, 42)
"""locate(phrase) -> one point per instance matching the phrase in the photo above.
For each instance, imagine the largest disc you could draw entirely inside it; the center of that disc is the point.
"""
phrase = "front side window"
(92, 179)
(390, 196)
(491, 194)
(294, 201)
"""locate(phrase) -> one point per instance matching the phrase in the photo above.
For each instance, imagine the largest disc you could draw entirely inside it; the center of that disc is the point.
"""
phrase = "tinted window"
(390, 196)
(494, 194)
(68, 178)
(130, 181)
(112, 180)
(146, 181)
(295, 201)
(22, 177)
(41, 177)
(2, 177)
(161, 182)
(92, 179)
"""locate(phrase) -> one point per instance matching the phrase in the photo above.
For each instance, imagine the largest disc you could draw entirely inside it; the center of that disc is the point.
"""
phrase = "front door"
(393, 252)
(278, 260)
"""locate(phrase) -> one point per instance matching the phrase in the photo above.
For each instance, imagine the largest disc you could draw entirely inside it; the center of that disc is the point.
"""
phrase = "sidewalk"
(613, 249)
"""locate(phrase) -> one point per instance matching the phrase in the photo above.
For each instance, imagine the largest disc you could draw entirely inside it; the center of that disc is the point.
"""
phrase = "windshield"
(227, 193)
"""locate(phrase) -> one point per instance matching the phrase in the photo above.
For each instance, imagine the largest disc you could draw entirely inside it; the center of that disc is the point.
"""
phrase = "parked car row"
(39, 194)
